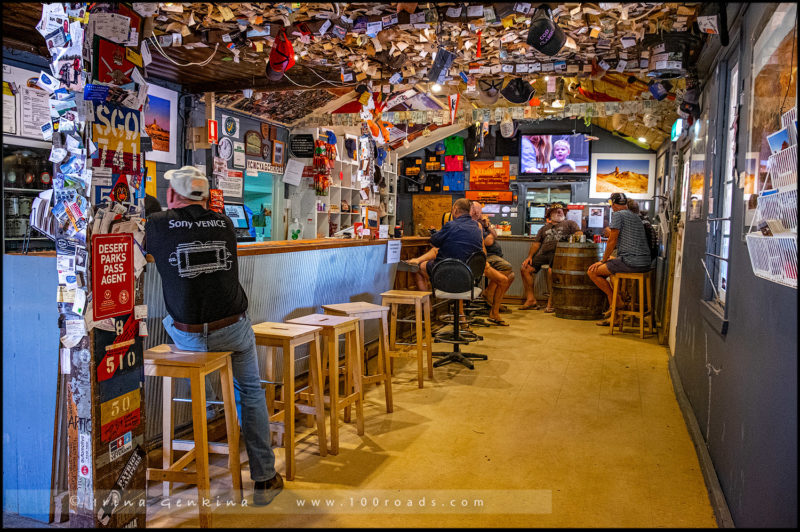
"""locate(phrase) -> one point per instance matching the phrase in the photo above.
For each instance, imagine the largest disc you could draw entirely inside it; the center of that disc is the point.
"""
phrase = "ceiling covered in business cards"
(609, 54)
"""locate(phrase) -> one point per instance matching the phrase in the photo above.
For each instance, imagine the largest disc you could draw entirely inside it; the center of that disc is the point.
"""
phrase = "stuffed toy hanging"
(377, 126)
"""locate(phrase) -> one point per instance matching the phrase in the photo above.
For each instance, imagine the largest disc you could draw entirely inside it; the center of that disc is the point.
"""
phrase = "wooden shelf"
(25, 190)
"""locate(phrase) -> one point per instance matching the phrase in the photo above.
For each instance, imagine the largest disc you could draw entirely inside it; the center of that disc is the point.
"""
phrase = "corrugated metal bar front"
(279, 286)
(515, 251)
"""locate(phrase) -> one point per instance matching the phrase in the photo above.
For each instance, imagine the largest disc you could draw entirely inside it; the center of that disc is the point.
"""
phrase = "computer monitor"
(235, 211)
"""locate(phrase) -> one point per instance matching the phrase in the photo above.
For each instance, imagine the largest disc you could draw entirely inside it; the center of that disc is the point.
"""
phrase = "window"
(773, 92)
(719, 222)
(561, 194)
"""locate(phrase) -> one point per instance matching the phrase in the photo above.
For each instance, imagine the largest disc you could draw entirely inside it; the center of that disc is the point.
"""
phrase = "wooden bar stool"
(169, 362)
(422, 305)
(332, 328)
(288, 337)
(644, 280)
(370, 311)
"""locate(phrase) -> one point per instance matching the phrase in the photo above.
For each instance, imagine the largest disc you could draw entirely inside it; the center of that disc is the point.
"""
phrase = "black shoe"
(266, 490)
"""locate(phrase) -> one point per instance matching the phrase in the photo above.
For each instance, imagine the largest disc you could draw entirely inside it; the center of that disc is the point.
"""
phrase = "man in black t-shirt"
(543, 252)
(194, 249)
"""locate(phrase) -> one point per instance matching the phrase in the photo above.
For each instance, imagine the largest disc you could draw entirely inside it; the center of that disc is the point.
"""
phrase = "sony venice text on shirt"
(185, 224)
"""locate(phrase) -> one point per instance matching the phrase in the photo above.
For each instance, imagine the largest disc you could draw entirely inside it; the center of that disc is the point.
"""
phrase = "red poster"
(112, 275)
(488, 175)
(216, 201)
(117, 427)
(212, 132)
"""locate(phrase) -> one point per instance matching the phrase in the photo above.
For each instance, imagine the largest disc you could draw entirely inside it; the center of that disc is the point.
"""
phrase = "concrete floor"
(563, 426)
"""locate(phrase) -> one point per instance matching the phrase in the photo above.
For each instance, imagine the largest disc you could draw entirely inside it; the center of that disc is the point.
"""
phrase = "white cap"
(189, 182)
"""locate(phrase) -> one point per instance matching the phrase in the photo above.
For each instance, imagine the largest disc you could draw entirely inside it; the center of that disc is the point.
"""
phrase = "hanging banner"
(112, 279)
(117, 133)
(454, 106)
(488, 175)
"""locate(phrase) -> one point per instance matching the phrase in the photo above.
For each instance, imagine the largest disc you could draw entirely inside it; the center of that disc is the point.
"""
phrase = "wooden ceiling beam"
(303, 80)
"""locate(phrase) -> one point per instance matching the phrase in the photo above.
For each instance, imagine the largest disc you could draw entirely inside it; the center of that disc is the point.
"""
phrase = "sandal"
(500, 322)
(504, 309)
(533, 306)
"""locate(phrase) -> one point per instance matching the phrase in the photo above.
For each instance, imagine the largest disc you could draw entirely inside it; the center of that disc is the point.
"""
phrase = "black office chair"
(454, 279)
(477, 264)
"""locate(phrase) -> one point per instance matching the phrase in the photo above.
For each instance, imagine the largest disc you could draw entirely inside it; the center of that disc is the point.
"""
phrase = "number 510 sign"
(112, 275)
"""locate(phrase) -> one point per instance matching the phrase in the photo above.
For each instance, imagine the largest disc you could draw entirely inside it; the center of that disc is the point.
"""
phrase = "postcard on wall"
(161, 124)
(631, 174)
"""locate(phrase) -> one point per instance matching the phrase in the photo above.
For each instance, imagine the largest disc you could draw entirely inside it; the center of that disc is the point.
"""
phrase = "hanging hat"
(439, 149)
(331, 137)
(489, 90)
(507, 127)
(350, 146)
(545, 35)
(518, 91)
(281, 58)
(380, 157)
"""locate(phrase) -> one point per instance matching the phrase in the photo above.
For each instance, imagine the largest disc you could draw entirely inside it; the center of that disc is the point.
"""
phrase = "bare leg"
(502, 286)
(490, 291)
(421, 277)
(527, 284)
(549, 289)
(599, 274)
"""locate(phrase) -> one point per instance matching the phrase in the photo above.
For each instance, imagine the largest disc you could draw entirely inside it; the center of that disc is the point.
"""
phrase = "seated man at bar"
(498, 270)
(194, 249)
(627, 235)
(543, 251)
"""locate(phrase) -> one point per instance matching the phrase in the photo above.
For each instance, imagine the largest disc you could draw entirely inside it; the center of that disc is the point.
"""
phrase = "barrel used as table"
(575, 296)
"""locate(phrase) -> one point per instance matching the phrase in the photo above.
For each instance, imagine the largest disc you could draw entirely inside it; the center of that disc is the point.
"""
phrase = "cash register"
(241, 222)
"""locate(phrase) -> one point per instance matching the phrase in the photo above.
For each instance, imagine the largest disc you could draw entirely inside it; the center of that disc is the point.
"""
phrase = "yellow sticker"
(427, 189)
(446, 187)
(133, 57)
(505, 157)
(259, 46)
(119, 406)
(512, 178)
(460, 157)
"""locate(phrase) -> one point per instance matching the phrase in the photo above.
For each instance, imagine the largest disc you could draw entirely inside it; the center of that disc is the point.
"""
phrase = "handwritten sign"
(489, 175)
(112, 276)
(117, 134)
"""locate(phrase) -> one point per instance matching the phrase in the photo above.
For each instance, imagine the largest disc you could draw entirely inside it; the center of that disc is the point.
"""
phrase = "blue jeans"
(251, 402)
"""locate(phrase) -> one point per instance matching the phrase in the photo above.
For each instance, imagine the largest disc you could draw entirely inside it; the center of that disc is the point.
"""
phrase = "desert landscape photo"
(157, 123)
(628, 176)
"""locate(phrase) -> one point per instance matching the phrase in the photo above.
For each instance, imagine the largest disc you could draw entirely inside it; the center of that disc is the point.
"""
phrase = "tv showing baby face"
(554, 154)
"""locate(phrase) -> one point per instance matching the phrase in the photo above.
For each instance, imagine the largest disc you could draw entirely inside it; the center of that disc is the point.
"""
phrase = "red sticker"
(118, 427)
(112, 275)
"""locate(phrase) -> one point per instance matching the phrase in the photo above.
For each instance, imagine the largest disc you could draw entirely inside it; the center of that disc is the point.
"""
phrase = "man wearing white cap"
(194, 249)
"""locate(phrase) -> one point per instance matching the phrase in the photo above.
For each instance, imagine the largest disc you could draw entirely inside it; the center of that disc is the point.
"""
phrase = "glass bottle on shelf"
(45, 175)
(29, 175)
(13, 170)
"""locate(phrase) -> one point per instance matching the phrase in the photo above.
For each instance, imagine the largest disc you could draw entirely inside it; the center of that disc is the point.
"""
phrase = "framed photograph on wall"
(629, 173)
(277, 153)
(161, 124)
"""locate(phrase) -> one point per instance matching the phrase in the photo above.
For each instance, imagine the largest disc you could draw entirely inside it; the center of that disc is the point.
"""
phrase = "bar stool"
(288, 337)
(422, 304)
(644, 280)
(169, 362)
(332, 328)
(370, 311)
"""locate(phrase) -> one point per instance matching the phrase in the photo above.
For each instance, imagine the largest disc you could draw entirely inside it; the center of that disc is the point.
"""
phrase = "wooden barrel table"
(575, 296)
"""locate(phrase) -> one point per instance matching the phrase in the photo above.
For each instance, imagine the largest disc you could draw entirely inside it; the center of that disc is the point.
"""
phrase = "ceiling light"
(295, 57)
(436, 87)
(642, 139)
(547, 78)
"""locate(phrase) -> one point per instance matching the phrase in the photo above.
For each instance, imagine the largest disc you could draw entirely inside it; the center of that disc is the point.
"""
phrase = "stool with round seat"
(644, 280)
(423, 340)
(288, 337)
(332, 328)
(370, 311)
(169, 362)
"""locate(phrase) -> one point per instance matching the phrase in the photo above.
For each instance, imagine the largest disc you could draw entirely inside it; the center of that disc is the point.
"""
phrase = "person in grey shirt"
(627, 235)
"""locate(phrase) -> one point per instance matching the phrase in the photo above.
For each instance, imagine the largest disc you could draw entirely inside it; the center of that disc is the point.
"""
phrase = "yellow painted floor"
(563, 426)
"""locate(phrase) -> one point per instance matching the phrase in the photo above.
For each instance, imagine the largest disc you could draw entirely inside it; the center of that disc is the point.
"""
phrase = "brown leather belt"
(210, 326)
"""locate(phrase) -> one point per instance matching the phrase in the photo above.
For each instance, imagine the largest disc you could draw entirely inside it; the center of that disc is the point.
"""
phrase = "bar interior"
(399, 264)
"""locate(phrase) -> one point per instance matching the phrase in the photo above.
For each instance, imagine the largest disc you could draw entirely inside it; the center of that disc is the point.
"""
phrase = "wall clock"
(225, 148)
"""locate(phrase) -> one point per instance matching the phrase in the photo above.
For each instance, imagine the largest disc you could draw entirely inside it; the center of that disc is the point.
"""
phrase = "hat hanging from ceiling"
(518, 91)
(281, 58)
(507, 127)
(380, 157)
(489, 90)
(545, 35)
(618, 121)
(350, 146)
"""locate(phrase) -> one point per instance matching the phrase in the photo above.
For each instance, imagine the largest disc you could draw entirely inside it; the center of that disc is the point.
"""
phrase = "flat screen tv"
(554, 154)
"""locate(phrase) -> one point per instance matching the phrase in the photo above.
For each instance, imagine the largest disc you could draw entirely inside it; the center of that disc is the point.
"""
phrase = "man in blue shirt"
(627, 234)
(458, 239)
